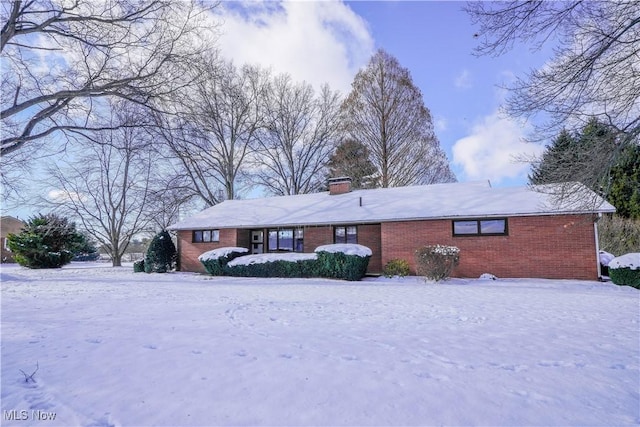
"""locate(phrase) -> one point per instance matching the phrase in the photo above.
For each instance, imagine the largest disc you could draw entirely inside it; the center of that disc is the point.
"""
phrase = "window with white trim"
(206, 236)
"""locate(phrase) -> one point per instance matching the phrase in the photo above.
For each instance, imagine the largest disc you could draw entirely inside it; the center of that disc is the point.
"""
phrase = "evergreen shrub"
(625, 270)
(215, 262)
(46, 241)
(625, 276)
(396, 267)
(161, 255)
(280, 268)
(138, 266)
(338, 265)
(436, 262)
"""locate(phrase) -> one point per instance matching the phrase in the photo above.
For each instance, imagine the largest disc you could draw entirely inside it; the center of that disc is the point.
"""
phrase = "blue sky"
(329, 41)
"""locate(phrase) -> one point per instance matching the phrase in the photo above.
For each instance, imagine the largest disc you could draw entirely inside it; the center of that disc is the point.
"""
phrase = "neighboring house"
(8, 224)
(508, 232)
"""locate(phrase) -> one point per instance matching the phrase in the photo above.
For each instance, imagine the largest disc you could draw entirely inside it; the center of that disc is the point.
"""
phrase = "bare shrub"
(619, 235)
(436, 262)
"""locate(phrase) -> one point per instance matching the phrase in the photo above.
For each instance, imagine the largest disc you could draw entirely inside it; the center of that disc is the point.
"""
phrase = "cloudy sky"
(328, 41)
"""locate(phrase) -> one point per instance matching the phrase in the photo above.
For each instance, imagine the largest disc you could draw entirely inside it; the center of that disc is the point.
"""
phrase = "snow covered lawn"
(118, 348)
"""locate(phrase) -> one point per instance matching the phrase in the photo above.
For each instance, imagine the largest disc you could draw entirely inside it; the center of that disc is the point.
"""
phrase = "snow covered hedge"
(215, 261)
(345, 261)
(274, 265)
(625, 270)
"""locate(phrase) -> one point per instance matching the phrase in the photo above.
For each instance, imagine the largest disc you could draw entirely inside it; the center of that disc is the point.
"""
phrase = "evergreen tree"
(352, 159)
(161, 254)
(46, 241)
(625, 184)
(573, 157)
(555, 156)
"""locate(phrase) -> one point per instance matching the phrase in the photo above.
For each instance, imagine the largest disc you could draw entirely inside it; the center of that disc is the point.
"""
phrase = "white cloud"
(493, 148)
(463, 80)
(319, 42)
(440, 124)
(61, 196)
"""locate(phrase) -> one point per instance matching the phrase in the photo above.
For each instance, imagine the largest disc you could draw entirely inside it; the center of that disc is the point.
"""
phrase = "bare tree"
(300, 133)
(385, 112)
(59, 58)
(593, 73)
(215, 129)
(107, 187)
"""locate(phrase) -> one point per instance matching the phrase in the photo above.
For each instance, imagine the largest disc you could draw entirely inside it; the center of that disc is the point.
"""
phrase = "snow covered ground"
(117, 348)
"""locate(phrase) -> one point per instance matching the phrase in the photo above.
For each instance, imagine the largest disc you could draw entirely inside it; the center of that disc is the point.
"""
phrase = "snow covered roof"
(437, 201)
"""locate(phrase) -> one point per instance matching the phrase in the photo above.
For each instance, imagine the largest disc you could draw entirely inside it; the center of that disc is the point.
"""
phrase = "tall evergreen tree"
(575, 157)
(625, 184)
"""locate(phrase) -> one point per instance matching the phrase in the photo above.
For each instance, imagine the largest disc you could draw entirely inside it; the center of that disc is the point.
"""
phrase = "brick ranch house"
(508, 232)
(8, 225)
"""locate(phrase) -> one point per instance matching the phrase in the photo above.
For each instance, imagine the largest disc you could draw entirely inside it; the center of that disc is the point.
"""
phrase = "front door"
(257, 241)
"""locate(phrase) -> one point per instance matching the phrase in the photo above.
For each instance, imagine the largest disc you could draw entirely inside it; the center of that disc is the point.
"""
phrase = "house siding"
(554, 247)
(189, 251)
(8, 225)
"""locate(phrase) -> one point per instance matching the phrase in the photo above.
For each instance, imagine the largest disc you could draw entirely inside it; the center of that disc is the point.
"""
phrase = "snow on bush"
(625, 270)
(221, 252)
(215, 261)
(436, 262)
(346, 248)
(346, 261)
(630, 261)
(263, 258)
(605, 258)
(487, 276)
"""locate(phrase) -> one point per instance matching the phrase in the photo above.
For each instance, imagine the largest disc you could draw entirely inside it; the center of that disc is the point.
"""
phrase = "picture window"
(480, 227)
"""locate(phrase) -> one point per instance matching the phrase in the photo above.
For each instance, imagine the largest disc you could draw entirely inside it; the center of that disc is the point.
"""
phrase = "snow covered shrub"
(604, 258)
(396, 267)
(138, 266)
(625, 270)
(46, 241)
(436, 262)
(161, 255)
(346, 261)
(274, 265)
(216, 260)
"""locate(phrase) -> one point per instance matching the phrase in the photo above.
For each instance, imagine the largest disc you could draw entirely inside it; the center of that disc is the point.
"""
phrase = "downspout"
(595, 229)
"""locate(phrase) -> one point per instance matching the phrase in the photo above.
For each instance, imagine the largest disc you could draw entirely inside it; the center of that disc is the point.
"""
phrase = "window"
(480, 227)
(345, 234)
(205, 236)
(286, 239)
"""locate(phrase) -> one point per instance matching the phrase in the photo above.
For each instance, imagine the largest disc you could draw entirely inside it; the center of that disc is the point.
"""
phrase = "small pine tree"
(46, 241)
(352, 159)
(161, 254)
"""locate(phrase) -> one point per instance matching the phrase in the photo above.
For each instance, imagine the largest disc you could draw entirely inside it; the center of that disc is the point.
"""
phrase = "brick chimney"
(339, 185)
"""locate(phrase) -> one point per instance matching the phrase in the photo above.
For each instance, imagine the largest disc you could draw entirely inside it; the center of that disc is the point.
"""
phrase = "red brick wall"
(189, 252)
(369, 236)
(317, 236)
(559, 246)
